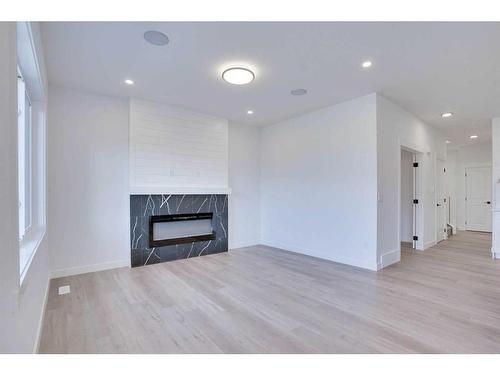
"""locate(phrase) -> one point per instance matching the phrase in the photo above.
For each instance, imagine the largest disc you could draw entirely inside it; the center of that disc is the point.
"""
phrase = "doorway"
(440, 201)
(478, 199)
(408, 200)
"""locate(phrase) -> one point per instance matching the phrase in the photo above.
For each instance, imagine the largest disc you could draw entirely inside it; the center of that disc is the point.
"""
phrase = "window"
(31, 145)
(25, 161)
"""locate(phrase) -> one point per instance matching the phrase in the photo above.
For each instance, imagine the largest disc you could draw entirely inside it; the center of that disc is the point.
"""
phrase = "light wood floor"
(263, 300)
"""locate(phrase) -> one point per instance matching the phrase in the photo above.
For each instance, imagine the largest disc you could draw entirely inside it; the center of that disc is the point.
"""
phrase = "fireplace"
(167, 227)
(180, 228)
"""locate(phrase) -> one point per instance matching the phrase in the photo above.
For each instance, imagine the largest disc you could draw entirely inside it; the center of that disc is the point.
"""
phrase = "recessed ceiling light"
(250, 112)
(448, 142)
(446, 114)
(129, 82)
(366, 64)
(238, 76)
(474, 136)
(298, 92)
(156, 38)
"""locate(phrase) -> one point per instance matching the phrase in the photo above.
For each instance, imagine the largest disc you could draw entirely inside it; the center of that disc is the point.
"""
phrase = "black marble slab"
(144, 206)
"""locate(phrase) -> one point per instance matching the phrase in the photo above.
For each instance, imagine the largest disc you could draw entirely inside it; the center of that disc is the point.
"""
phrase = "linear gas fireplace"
(170, 227)
(180, 228)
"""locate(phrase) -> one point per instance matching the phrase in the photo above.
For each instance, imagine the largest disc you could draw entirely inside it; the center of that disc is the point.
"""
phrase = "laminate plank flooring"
(264, 300)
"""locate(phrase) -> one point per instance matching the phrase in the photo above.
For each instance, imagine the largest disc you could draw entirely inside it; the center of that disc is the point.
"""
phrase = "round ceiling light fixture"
(366, 64)
(129, 82)
(298, 92)
(156, 38)
(446, 114)
(238, 76)
(250, 112)
(474, 136)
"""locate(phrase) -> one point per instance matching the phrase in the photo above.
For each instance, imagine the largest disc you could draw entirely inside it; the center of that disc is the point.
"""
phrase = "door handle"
(488, 202)
(438, 205)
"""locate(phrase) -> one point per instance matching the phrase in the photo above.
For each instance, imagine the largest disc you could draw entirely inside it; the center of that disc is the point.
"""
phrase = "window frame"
(31, 68)
(25, 132)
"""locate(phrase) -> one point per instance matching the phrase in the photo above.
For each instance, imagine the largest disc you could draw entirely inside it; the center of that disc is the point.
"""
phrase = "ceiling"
(427, 68)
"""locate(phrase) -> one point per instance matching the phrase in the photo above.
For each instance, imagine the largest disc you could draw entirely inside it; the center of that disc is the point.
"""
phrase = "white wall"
(21, 306)
(319, 183)
(397, 127)
(9, 268)
(495, 127)
(88, 179)
(176, 151)
(89, 208)
(406, 227)
(475, 155)
(244, 180)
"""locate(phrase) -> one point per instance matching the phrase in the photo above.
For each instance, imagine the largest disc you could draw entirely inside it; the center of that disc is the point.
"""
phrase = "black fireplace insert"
(175, 229)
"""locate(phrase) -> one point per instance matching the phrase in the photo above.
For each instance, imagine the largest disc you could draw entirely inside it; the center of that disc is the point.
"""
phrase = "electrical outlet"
(64, 290)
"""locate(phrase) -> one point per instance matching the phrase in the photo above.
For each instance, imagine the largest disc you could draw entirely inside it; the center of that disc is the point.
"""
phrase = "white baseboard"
(36, 347)
(389, 258)
(430, 244)
(343, 260)
(495, 254)
(90, 268)
(241, 244)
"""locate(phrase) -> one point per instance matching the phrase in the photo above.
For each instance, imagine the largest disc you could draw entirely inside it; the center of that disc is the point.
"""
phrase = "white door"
(478, 199)
(440, 201)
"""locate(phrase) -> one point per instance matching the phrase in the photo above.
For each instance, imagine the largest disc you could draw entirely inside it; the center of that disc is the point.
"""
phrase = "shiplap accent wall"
(176, 151)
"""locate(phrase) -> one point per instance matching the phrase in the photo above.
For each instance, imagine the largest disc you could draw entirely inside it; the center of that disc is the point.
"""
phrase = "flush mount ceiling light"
(156, 38)
(366, 64)
(474, 136)
(238, 76)
(298, 92)
(129, 82)
(446, 114)
(250, 112)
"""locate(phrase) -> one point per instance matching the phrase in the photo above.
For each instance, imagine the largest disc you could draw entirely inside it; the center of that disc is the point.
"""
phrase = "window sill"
(27, 250)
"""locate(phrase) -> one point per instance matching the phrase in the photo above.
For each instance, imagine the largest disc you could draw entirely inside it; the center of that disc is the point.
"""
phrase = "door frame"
(418, 193)
(443, 187)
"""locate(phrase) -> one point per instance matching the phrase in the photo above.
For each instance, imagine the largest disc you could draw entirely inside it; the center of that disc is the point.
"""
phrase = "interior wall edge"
(42, 318)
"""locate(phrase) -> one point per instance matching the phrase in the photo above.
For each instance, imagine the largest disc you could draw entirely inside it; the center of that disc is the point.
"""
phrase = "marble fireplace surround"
(144, 206)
